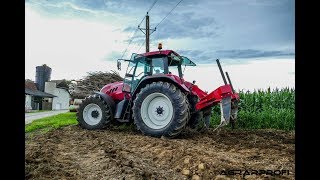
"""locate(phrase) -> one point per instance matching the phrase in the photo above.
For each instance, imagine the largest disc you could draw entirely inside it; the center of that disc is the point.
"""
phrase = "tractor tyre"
(192, 106)
(200, 120)
(94, 113)
(160, 109)
(189, 111)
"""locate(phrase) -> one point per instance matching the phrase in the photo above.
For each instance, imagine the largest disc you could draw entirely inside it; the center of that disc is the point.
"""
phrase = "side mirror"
(119, 65)
(129, 75)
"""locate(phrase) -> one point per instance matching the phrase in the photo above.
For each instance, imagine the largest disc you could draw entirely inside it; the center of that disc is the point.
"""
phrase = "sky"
(254, 39)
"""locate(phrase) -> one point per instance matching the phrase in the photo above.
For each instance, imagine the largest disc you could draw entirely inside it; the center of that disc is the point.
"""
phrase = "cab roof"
(186, 61)
(165, 52)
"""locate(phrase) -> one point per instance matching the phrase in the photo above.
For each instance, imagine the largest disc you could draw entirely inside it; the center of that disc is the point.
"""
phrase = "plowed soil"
(74, 153)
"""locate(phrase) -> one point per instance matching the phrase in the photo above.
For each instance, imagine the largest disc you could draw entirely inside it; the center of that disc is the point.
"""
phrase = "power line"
(141, 46)
(129, 43)
(168, 13)
(141, 21)
(152, 5)
(148, 11)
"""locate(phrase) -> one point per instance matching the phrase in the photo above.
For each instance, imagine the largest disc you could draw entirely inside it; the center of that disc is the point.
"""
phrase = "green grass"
(48, 123)
(264, 109)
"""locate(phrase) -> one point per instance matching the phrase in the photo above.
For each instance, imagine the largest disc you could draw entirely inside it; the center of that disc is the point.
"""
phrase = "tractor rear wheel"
(160, 109)
(94, 113)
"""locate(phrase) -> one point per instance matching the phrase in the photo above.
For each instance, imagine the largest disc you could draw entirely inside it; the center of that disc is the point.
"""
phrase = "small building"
(34, 99)
(62, 95)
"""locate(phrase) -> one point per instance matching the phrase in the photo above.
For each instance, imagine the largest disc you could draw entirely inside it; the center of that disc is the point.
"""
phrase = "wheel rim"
(156, 110)
(92, 114)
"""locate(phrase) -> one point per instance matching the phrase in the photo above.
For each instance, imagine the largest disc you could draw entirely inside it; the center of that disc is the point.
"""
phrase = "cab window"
(157, 65)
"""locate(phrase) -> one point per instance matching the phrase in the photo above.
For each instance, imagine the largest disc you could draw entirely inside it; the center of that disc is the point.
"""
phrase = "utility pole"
(147, 33)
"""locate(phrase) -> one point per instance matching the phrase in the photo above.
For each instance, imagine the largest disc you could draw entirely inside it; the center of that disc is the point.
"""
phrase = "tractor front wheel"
(160, 109)
(94, 113)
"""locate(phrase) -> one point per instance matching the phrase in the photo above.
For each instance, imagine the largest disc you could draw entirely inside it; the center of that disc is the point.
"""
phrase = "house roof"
(31, 89)
(38, 93)
(30, 85)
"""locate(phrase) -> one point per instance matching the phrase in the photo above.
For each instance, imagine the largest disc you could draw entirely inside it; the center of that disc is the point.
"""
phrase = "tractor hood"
(114, 90)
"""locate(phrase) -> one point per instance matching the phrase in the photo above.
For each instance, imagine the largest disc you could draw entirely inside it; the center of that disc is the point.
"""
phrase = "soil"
(74, 153)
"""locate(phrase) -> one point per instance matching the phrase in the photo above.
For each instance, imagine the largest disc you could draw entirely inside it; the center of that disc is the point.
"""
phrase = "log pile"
(94, 81)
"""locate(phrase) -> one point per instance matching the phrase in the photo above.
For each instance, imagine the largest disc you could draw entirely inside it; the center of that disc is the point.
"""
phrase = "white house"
(34, 99)
(62, 99)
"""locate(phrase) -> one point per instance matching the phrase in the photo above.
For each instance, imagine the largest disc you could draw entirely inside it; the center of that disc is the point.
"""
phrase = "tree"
(65, 83)
(94, 81)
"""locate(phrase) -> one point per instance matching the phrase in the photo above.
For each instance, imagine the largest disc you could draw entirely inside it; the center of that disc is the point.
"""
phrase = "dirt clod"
(186, 161)
(195, 177)
(186, 172)
(75, 153)
(221, 177)
(201, 166)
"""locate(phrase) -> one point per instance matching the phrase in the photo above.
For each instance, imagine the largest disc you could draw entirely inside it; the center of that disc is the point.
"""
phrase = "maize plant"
(264, 109)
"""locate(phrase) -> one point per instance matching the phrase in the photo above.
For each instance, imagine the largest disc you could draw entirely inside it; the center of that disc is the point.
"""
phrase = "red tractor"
(157, 100)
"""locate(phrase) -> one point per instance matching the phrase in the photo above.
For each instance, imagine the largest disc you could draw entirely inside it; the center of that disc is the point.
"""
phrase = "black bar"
(230, 81)
(222, 74)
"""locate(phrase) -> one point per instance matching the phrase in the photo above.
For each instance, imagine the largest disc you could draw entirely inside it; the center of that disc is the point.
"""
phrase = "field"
(274, 109)
(57, 148)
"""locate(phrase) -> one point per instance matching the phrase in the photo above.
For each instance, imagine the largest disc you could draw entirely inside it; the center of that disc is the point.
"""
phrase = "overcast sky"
(77, 36)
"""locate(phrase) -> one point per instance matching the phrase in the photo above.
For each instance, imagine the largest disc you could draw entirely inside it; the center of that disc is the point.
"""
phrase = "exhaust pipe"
(230, 82)
(221, 72)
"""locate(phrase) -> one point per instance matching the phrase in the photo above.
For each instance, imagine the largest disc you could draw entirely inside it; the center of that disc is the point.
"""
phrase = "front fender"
(108, 99)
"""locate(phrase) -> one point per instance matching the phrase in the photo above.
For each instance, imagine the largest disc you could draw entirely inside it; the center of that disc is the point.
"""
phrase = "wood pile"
(94, 81)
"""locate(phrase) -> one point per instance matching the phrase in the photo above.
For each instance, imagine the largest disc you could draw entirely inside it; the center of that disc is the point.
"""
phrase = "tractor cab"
(156, 63)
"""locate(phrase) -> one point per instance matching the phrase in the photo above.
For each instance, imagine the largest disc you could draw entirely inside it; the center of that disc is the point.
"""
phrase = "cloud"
(197, 56)
(188, 25)
(267, 2)
(234, 56)
(71, 47)
(113, 55)
(73, 31)
(85, 10)
(227, 24)
(96, 4)
(249, 76)
(251, 53)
